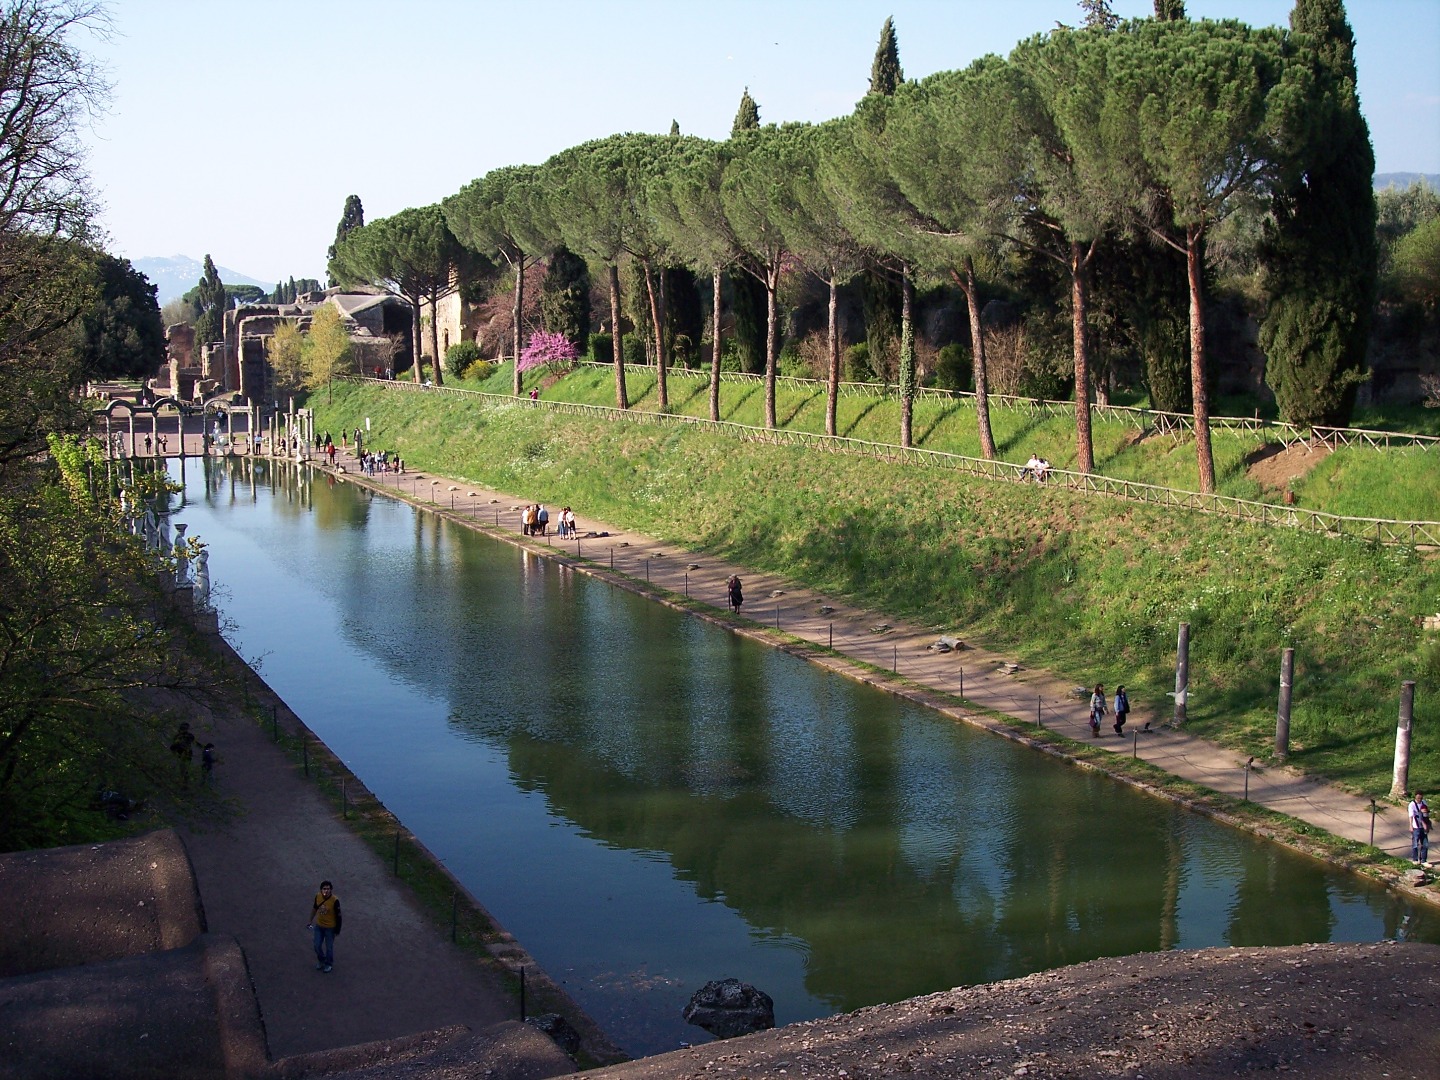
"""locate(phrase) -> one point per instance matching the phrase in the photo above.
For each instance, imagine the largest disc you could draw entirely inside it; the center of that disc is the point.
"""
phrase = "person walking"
(207, 764)
(734, 593)
(1122, 709)
(542, 520)
(1419, 830)
(1097, 709)
(325, 925)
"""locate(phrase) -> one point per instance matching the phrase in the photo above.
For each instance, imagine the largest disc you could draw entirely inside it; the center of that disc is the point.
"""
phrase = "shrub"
(460, 356)
(953, 368)
(479, 371)
(602, 348)
(792, 364)
(857, 363)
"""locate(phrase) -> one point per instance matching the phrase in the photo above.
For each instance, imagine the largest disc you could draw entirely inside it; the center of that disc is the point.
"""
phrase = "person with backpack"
(1419, 830)
(734, 594)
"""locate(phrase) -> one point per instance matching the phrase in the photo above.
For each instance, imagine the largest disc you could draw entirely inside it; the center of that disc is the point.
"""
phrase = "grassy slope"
(1400, 484)
(1055, 578)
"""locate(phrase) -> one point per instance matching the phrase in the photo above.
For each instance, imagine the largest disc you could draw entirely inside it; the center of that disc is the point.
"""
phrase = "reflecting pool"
(648, 802)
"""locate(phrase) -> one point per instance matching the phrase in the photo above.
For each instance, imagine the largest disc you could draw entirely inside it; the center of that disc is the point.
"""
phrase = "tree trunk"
(617, 350)
(832, 375)
(1079, 306)
(519, 307)
(907, 356)
(977, 349)
(772, 340)
(435, 340)
(1194, 238)
(416, 339)
(655, 293)
(715, 352)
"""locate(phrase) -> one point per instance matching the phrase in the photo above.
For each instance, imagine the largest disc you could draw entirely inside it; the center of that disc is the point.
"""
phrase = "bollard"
(962, 684)
(895, 658)
(612, 558)
(1039, 720)
(687, 584)
(647, 571)
(1134, 745)
(344, 799)
(832, 635)
(522, 994)
(454, 906)
(577, 547)
(777, 616)
(1373, 811)
(396, 864)
(497, 519)
(1247, 778)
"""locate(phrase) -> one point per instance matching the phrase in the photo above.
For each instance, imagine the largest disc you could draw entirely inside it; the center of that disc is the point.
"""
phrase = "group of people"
(373, 462)
(183, 747)
(1037, 469)
(1122, 710)
(535, 521)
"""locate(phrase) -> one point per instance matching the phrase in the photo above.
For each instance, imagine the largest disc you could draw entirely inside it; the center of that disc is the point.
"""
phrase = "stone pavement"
(900, 659)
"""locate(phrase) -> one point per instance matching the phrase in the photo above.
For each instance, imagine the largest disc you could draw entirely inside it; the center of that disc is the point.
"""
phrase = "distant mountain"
(177, 275)
(1402, 180)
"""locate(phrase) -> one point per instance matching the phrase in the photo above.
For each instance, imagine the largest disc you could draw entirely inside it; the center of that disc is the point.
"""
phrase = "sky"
(238, 130)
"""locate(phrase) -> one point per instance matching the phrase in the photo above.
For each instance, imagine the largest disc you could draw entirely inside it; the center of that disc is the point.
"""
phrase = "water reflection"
(648, 802)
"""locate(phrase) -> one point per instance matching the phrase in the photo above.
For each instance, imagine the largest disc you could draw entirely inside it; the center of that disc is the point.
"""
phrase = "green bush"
(459, 357)
(635, 351)
(953, 368)
(857, 363)
(479, 371)
(602, 348)
(790, 363)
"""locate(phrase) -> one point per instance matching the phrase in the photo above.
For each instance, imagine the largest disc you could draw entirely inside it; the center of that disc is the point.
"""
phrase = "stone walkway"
(979, 677)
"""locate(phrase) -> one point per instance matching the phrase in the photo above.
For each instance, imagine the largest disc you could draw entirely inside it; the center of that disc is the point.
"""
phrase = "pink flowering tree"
(545, 349)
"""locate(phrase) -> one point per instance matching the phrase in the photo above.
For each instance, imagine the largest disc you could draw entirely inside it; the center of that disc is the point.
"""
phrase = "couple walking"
(1097, 709)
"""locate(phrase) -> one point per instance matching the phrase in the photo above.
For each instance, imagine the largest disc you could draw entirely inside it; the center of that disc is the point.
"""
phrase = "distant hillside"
(1405, 179)
(178, 274)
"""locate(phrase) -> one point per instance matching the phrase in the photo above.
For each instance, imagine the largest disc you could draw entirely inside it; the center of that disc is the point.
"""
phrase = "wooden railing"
(1382, 530)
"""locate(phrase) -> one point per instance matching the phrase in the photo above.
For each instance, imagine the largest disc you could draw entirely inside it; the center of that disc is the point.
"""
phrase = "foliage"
(952, 367)
(412, 254)
(546, 349)
(565, 299)
(328, 351)
(1320, 249)
(460, 357)
(121, 336)
(352, 217)
(285, 349)
(480, 370)
(1416, 265)
(885, 71)
(211, 303)
(747, 116)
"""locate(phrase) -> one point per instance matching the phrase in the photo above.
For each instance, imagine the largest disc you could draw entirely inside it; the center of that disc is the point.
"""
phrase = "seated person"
(1032, 468)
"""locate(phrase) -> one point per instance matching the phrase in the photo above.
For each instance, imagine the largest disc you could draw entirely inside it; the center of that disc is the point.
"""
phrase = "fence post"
(1282, 714)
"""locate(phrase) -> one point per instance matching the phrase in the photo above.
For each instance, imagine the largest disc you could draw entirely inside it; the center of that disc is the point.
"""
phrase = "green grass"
(1089, 587)
(1400, 483)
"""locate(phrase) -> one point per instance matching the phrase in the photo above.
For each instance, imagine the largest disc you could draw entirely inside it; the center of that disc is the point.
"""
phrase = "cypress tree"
(565, 298)
(212, 303)
(747, 117)
(885, 73)
(674, 128)
(1170, 10)
(352, 217)
(1320, 250)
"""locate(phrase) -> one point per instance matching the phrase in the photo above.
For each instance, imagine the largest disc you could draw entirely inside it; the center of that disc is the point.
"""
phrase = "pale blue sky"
(239, 129)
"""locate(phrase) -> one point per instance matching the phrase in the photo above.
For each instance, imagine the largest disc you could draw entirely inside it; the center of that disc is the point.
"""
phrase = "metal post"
(1182, 672)
(1282, 714)
(895, 658)
(454, 914)
(522, 994)
(1134, 745)
(1247, 778)
(1373, 811)
(305, 751)
(1039, 720)
(396, 865)
(832, 635)
(344, 799)
(687, 583)
(962, 684)
(647, 571)
(612, 558)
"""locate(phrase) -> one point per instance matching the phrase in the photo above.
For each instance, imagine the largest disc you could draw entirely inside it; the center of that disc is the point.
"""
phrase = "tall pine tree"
(747, 117)
(352, 217)
(747, 296)
(1170, 10)
(1320, 252)
(885, 73)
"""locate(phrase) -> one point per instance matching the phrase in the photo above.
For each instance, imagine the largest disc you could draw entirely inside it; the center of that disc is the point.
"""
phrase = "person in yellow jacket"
(325, 925)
